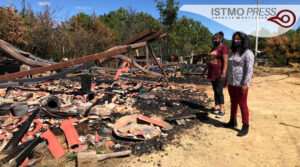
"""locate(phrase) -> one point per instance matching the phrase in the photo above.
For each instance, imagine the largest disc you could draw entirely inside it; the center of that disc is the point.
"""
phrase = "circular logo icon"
(284, 18)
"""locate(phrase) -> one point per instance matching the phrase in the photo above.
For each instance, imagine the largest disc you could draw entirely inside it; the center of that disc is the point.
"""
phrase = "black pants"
(218, 91)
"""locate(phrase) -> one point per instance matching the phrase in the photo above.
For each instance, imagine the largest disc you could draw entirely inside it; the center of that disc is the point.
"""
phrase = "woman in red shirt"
(217, 66)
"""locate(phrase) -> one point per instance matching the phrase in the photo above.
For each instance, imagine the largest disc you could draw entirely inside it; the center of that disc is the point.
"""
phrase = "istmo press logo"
(273, 20)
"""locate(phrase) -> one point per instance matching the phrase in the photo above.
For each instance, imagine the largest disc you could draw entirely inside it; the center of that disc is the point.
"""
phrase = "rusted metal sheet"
(13, 53)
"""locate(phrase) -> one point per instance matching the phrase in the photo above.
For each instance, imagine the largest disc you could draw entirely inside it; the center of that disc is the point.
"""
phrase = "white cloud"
(44, 3)
(82, 8)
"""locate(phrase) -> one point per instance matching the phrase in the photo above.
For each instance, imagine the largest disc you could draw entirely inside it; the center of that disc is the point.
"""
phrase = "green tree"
(146, 21)
(168, 12)
(261, 42)
(116, 21)
(189, 36)
(168, 17)
(185, 36)
(81, 20)
(126, 23)
(83, 35)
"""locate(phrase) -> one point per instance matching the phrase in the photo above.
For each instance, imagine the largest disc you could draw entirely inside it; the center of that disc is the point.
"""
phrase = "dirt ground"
(273, 139)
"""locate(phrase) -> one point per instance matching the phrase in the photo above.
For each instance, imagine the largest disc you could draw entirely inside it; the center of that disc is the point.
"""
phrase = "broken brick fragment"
(2, 136)
(71, 134)
(97, 137)
(54, 145)
(110, 144)
(46, 83)
(150, 120)
(25, 163)
(39, 125)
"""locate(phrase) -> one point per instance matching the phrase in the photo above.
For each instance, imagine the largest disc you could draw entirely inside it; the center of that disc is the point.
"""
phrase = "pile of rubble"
(177, 73)
(91, 117)
(113, 114)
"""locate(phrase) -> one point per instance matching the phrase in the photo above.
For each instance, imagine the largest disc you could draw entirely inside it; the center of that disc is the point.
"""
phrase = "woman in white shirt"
(239, 73)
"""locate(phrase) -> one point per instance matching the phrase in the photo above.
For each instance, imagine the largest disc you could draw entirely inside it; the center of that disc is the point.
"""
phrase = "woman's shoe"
(214, 111)
(244, 131)
(221, 114)
(231, 124)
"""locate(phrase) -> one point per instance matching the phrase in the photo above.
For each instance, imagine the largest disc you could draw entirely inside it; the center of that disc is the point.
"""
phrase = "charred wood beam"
(147, 36)
(22, 130)
(101, 157)
(9, 84)
(138, 37)
(58, 75)
(39, 59)
(158, 63)
(27, 151)
(7, 155)
(28, 81)
(27, 54)
(82, 157)
(97, 72)
(8, 50)
(133, 69)
(129, 46)
(98, 56)
(153, 36)
(141, 80)
(137, 65)
(19, 153)
(162, 36)
(96, 102)
(62, 65)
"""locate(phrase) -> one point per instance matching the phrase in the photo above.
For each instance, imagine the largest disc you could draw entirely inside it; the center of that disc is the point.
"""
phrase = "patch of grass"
(101, 149)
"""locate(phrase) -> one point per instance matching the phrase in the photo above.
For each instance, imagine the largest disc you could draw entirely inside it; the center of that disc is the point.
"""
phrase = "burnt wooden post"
(86, 83)
(147, 57)
(161, 68)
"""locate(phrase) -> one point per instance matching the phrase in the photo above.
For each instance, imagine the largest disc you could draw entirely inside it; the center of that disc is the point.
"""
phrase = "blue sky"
(68, 8)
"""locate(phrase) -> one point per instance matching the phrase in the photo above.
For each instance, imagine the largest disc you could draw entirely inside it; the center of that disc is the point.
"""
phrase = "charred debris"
(81, 109)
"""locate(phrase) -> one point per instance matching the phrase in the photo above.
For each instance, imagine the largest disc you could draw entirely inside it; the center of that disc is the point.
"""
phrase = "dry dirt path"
(273, 139)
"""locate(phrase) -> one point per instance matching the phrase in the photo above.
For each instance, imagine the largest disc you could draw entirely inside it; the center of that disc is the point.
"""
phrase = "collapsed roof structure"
(40, 66)
(89, 115)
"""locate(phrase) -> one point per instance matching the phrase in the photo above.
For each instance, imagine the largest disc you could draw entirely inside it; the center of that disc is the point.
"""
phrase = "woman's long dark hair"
(244, 39)
(220, 35)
